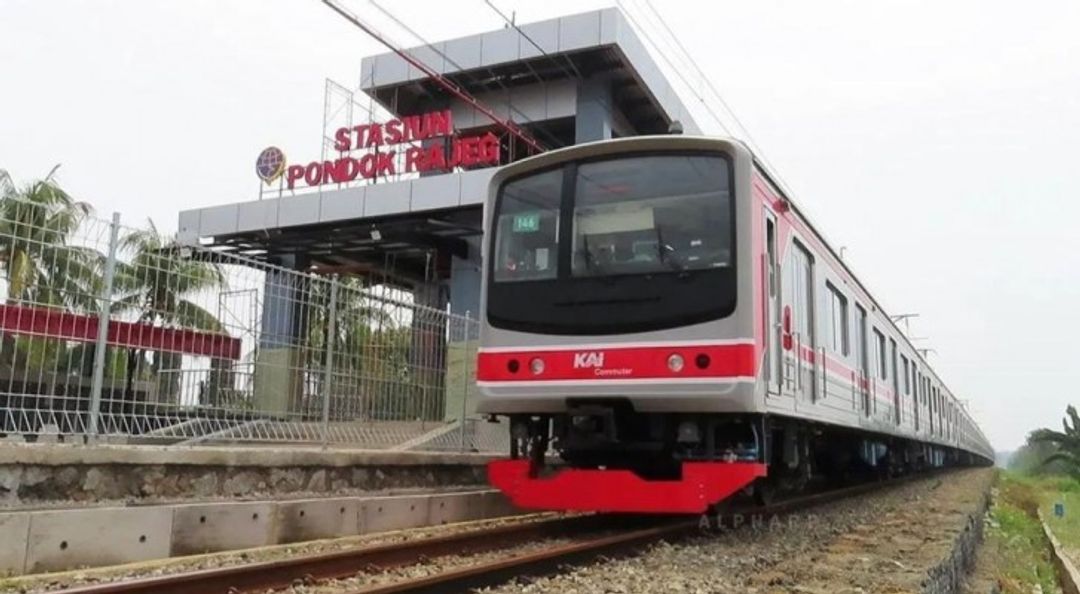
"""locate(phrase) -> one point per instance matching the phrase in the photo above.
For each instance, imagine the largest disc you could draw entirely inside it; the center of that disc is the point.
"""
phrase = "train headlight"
(675, 362)
(536, 366)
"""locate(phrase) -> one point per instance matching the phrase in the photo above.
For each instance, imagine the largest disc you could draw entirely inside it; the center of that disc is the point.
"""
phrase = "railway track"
(590, 537)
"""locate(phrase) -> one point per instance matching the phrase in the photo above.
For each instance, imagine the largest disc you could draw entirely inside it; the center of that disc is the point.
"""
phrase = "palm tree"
(1067, 442)
(37, 223)
(158, 284)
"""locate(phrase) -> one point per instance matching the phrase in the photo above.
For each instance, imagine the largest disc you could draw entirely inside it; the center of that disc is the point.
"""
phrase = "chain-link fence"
(113, 331)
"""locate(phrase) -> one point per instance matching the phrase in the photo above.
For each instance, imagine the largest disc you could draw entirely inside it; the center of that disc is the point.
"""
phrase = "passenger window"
(860, 340)
(880, 355)
(838, 320)
(907, 378)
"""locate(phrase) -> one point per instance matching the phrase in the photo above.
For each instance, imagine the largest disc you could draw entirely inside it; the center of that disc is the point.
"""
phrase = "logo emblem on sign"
(270, 165)
(586, 360)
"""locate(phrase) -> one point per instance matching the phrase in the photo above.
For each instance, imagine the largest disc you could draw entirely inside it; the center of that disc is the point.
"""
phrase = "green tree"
(158, 284)
(1066, 442)
(361, 365)
(37, 223)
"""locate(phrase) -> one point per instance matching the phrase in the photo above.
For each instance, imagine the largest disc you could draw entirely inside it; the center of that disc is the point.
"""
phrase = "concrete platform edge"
(76, 454)
(57, 540)
(1066, 571)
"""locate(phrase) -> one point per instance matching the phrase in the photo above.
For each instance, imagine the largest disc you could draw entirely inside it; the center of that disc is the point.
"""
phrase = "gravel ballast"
(37, 584)
(882, 542)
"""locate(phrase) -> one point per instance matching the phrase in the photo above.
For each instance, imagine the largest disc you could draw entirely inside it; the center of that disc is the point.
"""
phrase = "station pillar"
(427, 352)
(464, 332)
(597, 118)
(279, 365)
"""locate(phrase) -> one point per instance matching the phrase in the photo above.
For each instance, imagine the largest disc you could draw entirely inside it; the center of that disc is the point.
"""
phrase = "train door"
(802, 323)
(862, 361)
(773, 363)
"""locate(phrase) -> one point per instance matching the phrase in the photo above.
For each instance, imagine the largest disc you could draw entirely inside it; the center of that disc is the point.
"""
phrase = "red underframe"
(54, 323)
(702, 484)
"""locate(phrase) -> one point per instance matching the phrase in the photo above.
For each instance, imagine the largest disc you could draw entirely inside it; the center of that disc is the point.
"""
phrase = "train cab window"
(838, 321)
(616, 245)
(628, 220)
(880, 355)
(528, 229)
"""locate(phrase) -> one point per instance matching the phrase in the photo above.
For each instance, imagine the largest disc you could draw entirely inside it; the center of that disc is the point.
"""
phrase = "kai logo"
(586, 360)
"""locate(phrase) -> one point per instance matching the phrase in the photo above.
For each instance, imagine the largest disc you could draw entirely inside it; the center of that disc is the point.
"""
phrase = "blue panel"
(299, 210)
(579, 31)
(390, 69)
(545, 34)
(429, 57)
(437, 191)
(463, 53)
(388, 198)
(218, 220)
(474, 185)
(343, 204)
(261, 214)
(188, 227)
(500, 47)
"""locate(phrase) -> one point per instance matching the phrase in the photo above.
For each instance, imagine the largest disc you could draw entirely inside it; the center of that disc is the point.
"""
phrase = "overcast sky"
(936, 140)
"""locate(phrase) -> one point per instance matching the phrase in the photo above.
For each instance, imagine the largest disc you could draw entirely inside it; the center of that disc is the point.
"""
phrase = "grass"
(1014, 539)
(1066, 528)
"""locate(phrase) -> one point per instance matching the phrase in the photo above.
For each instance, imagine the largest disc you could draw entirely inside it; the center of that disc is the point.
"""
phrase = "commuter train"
(665, 329)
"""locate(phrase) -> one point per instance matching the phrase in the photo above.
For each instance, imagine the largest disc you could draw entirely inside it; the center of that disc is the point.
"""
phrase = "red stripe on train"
(701, 361)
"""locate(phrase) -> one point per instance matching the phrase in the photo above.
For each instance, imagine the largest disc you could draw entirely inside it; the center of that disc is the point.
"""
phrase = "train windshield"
(650, 215)
(640, 241)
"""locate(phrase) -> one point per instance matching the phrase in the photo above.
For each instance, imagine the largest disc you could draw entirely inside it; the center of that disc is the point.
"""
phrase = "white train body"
(642, 295)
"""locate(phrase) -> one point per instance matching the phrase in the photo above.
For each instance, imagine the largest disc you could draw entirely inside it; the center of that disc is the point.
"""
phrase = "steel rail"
(270, 575)
(592, 534)
(553, 559)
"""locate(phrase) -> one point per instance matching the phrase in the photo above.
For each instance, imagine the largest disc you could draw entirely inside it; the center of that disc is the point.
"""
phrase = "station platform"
(44, 475)
(68, 506)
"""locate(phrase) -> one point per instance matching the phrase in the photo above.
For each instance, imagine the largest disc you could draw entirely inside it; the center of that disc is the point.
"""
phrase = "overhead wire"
(716, 93)
(508, 124)
(674, 69)
(463, 72)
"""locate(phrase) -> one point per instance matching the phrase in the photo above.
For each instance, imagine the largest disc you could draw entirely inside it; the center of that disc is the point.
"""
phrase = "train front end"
(621, 331)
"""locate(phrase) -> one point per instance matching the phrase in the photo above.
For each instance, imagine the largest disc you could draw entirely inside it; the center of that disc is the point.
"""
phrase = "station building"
(378, 205)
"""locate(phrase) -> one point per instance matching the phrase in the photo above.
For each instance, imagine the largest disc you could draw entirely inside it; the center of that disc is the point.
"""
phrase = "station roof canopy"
(531, 74)
(573, 47)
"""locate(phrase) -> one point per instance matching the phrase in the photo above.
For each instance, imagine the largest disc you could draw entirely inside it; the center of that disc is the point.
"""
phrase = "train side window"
(838, 320)
(770, 243)
(907, 378)
(880, 355)
(860, 340)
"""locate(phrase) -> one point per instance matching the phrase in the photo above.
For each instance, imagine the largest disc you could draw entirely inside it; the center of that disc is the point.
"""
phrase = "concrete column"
(464, 281)
(464, 288)
(279, 364)
(427, 352)
(594, 119)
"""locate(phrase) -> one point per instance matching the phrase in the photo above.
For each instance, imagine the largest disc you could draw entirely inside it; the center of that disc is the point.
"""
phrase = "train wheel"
(764, 491)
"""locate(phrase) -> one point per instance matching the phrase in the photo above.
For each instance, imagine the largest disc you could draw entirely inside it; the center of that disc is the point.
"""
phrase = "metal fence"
(114, 331)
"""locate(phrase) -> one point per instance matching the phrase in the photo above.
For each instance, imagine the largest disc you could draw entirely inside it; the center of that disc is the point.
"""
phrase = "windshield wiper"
(667, 253)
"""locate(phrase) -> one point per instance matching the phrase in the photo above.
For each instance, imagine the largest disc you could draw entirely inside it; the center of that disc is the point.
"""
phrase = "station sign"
(383, 152)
